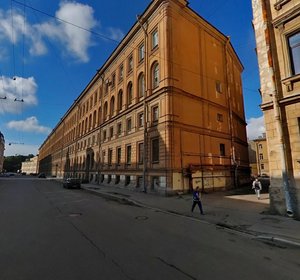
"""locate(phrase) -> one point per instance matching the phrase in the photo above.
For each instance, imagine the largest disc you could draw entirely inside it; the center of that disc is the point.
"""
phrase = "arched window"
(129, 93)
(155, 75)
(112, 106)
(141, 84)
(105, 111)
(120, 100)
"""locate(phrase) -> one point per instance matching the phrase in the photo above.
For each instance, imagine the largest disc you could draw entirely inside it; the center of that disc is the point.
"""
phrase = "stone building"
(167, 106)
(277, 30)
(2, 148)
(258, 156)
(30, 166)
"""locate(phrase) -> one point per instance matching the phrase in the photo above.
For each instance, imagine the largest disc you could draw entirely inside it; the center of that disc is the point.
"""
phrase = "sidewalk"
(233, 210)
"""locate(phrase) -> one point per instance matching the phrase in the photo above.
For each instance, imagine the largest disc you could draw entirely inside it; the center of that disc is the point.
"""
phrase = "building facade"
(2, 148)
(165, 112)
(258, 156)
(277, 30)
(30, 166)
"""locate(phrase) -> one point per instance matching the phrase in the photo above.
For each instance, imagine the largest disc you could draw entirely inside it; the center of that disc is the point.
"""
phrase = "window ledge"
(289, 82)
(278, 5)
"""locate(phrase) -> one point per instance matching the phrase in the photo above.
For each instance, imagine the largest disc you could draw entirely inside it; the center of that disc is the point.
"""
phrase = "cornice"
(287, 16)
(287, 100)
(278, 5)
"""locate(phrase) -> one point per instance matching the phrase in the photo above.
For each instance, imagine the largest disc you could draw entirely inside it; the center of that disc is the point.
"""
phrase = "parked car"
(72, 183)
(265, 181)
(42, 175)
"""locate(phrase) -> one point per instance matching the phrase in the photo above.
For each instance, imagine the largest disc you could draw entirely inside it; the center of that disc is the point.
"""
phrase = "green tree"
(14, 163)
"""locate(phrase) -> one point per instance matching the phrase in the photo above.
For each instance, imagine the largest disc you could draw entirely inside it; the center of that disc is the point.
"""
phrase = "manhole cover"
(75, 214)
(141, 218)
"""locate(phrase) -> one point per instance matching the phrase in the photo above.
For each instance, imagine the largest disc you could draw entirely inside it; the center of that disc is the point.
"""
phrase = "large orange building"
(167, 106)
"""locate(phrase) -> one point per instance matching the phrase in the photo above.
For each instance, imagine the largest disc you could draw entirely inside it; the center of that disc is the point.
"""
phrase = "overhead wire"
(113, 40)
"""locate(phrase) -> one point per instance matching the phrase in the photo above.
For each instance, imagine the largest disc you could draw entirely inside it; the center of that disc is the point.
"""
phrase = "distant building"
(277, 30)
(2, 148)
(258, 156)
(30, 166)
(166, 108)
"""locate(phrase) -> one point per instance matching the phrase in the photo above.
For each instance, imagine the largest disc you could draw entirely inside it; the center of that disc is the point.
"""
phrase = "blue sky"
(47, 63)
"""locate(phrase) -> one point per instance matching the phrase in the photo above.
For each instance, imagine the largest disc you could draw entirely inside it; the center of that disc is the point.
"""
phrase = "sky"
(50, 50)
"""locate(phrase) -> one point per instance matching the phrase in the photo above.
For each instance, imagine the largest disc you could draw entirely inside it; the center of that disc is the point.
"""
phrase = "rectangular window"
(261, 156)
(96, 97)
(294, 48)
(113, 80)
(155, 150)
(220, 117)
(218, 87)
(106, 86)
(155, 114)
(260, 146)
(262, 166)
(154, 37)
(222, 149)
(130, 63)
(110, 154)
(119, 151)
(119, 129)
(111, 132)
(104, 135)
(140, 153)
(121, 72)
(140, 120)
(141, 52)
(128, 128)
(128, 154)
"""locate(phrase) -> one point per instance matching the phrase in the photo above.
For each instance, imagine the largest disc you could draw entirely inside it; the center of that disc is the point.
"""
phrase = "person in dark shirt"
(197, 201)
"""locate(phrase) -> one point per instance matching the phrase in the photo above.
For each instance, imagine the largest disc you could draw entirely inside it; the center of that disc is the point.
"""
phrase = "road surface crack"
(176, 268)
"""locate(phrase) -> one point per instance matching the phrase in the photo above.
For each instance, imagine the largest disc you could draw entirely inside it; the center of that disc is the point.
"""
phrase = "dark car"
(265, 181)
(72, 183)
(42, 175)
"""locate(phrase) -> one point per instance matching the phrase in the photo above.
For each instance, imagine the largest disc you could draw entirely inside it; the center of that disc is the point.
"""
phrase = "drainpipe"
(277, 116)
(100, 126)
(144, 102)
(282, 150)
(232, 148)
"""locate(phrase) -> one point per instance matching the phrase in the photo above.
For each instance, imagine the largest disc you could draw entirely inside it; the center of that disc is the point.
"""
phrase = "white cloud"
(255, 127)
(31, 124)
(13, 31)
(20, 149)
(76, 40)
(115, 34)
(17, 88)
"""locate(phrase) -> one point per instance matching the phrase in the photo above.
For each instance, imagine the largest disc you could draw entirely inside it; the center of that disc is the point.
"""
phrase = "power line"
(67, 22)
(113, 40)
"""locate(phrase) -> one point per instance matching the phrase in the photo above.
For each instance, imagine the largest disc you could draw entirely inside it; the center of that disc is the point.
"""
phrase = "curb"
(277, 240)
(124, 200)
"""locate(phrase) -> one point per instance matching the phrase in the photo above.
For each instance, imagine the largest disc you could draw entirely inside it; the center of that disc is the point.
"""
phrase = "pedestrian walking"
(256, 185)
(197, 200)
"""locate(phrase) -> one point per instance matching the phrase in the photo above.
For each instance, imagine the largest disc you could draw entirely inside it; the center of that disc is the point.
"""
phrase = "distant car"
(72, 183)
(42, 175)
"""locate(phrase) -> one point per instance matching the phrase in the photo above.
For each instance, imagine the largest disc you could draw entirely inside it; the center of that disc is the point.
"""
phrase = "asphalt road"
(47, 232)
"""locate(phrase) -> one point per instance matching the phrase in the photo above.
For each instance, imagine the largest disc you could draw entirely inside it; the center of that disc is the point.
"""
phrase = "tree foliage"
(14, 163)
